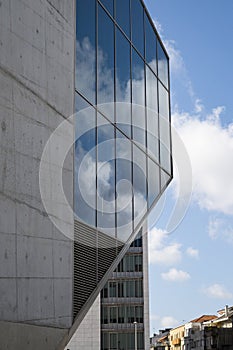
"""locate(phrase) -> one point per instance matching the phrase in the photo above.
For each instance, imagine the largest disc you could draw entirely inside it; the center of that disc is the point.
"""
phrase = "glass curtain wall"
(123, 134)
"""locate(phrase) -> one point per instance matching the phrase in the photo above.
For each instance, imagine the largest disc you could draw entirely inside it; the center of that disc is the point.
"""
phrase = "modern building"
(75, 191)
(125, 301)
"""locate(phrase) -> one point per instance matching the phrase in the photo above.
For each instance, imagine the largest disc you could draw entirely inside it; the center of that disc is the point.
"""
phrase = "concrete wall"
(87, 337)
(36, 94)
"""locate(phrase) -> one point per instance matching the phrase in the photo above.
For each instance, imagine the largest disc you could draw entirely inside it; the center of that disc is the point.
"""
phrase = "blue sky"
(191, 267)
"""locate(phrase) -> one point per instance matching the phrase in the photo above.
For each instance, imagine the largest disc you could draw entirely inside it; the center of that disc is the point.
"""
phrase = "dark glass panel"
(105, 61)
(153, 181)
(108, 4)
(123, 186)
(151, 42)
(139, 184)
(85, 74)
(123, 89)
(113, 340)
(164, 127)
(112, 289)
(162, 65)
(113, 314)
(123, 15)
(138, 99)
(105, 176)
(85, 162)
(137, 13)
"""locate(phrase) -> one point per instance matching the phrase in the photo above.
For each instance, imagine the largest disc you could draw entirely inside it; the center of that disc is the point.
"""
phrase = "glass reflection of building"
(122, 150)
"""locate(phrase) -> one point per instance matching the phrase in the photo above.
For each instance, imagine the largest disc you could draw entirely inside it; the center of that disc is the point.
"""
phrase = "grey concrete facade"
(37, 92)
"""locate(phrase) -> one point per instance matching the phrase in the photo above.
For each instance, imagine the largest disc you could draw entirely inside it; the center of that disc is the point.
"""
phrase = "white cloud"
(169, 322)
(218, 291)
(175, 275)
(210, 146)
(221, 228)
(162, 252)
(193, 253)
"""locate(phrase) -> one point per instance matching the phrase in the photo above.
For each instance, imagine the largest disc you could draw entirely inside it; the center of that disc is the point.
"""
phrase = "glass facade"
(122, 155)
(123, 148)
(122, 302)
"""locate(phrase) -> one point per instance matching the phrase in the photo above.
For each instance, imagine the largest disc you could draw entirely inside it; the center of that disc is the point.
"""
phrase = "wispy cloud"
(218, 291)
(169, 322)
(175, 275)
(221, 228)
(193, 253)
(161, 251)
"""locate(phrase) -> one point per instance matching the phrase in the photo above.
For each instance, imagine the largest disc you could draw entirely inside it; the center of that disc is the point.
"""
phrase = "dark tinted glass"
(138, 98)
(85, 163)
(137, 14)
(150, 45)
(85, 49)
(108, 4)
(162, 65)
(105, 92)
(123, 15)
(123, 90)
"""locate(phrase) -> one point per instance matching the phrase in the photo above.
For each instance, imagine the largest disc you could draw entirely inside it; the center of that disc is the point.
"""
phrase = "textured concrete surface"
(36, 94)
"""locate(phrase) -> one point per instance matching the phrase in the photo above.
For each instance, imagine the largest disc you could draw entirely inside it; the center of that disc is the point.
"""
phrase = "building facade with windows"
(68, 218)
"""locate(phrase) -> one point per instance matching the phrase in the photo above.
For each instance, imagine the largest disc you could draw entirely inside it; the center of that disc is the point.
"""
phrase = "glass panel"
(108, 4)
(138, 263)
(151, 43)
(162, 65)
(105, 337)
(123, 187)
(151, 90)
(120, 289)
(123, 90)
(164, 179)
(123, 15)
(163, 102)
(113, 341)
(112, 289)
(164, 126)
(105, 176)
(105, 63)
(139, 184)
(104, 315)
(85, 73)
(113, 314)
(138, 98)
(121, 314)
(153, 181)
(152, 135)
(85, 163)
(137, 14)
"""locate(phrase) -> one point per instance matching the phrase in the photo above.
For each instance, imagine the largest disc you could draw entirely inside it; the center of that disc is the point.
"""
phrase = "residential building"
(160, 341)
(75, 191)
(176, 338)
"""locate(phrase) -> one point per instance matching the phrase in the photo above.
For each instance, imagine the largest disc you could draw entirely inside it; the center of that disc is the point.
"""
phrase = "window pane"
(153, 181)
(105, 63)
(105, 176)
(137, 13)
(164, 126)
(123, 15)
(85, 79)
(139, 184)
(123, 187)
(151, 42)
(138, 98)
(123, 90)
(112, 289)
(162, 65)
(108, 4)
(85, 163)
